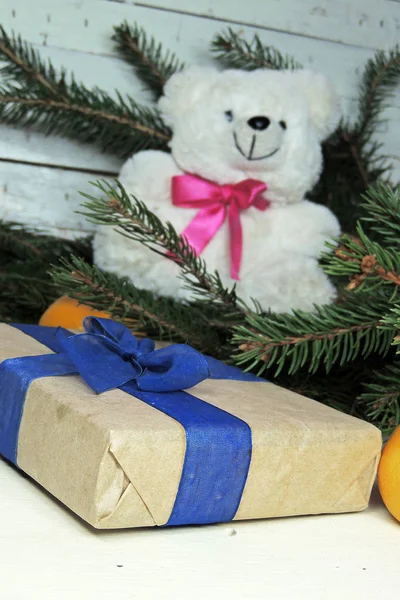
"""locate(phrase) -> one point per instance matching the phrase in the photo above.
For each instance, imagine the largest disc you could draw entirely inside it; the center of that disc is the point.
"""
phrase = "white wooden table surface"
(47, 553)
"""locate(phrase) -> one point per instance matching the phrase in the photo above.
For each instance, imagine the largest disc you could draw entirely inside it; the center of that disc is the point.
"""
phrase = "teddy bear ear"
(323, 101)
(183, 89)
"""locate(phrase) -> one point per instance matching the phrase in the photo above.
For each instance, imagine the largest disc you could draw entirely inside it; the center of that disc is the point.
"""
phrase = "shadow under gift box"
(118, 461)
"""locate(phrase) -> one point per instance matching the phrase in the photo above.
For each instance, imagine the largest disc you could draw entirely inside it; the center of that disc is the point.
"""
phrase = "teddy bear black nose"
(259, 123)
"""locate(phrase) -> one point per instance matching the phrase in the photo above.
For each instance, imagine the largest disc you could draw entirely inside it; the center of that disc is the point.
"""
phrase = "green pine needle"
(156, 316)
(152, 65)
(134, 220)
(22, 62)
(234, 52)
(380, 78)
(333, 335)
(381, 399)
(34, 95)
(26, 289)
(383, 213)
(353, 160)
(370, 262)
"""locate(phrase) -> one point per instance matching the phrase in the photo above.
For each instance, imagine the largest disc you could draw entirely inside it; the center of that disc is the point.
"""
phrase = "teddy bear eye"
(229, 115)
(282, 124)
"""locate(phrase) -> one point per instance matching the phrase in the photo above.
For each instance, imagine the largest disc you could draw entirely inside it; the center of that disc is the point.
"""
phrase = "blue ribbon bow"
(108, 356)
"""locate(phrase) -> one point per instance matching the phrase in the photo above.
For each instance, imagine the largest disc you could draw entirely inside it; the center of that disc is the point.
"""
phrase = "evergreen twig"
(340, 388)
(152, 65)
(368, 263)
(380, 401)
(156, 315)
(21, 242)
(134, 220)
(353, 159)
(26, 289)
(235, 52)
(335, 334)
(380, 78)
(390, 321)
(35, 95)
(21, 60)
(382, 204)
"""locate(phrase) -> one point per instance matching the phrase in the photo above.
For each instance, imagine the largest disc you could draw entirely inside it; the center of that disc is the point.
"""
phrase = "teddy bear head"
(267, 125)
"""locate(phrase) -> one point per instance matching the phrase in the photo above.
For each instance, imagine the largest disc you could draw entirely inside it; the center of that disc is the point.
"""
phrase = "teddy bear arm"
(114, 253)
(294, 282)
(307, 227)
(317, 218)
(148, 174)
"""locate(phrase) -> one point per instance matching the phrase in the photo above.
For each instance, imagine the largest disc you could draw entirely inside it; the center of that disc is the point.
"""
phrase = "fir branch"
(22, 243)
(134, 220)
(368, 263)
(24, 298)
(353, 144)
(234, 52)
(381, 400)
(57, 104)
(121, 127)
(335, 334)
(156, 315)
(152, 65)
(382, 204)
(26, 289)
(353, 160)
(380, 78)
(13, 239)
(347, 171)
(22, 62)
(391, 321)
(340, 388)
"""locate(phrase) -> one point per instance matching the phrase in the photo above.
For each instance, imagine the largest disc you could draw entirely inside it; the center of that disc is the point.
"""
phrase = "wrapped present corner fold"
(129, 436)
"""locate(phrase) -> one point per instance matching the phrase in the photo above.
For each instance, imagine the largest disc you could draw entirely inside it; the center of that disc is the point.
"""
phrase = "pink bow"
(215, 202)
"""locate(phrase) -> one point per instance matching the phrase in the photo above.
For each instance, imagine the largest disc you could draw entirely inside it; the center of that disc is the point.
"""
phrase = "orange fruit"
(389, 474)
(68, 313)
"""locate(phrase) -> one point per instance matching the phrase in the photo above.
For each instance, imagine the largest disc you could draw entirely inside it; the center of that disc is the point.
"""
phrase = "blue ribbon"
(107, 356)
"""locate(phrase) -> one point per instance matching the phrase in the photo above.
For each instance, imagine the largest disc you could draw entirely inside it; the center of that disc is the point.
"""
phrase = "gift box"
(127, 435)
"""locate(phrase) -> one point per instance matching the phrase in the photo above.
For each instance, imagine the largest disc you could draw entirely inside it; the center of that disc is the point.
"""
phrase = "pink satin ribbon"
(216, 202)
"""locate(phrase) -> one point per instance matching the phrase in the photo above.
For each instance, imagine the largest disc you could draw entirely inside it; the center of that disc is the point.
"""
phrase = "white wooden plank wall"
(40, 177)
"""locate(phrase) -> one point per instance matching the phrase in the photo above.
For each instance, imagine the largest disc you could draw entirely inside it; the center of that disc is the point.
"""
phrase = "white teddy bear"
(228, 128)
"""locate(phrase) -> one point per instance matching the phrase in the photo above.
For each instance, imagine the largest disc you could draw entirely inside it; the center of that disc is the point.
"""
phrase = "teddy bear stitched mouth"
(250, 155)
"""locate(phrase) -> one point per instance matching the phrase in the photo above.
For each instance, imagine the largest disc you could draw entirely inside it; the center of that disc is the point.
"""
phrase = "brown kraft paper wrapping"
(117, 462)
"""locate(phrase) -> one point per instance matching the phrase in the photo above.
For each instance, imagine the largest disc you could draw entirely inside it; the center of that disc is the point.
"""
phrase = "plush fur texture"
(209, 113)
